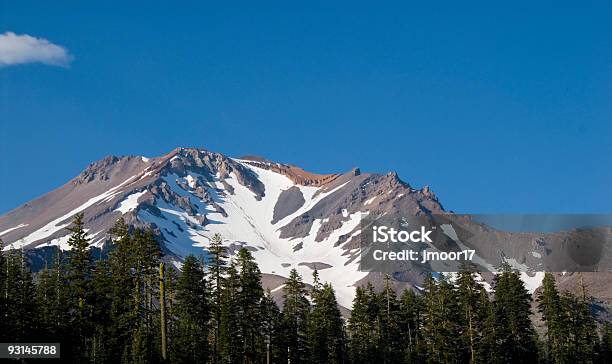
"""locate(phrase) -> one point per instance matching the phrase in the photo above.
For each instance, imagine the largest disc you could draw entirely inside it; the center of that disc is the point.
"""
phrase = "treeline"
(460, 322)
(131, 308)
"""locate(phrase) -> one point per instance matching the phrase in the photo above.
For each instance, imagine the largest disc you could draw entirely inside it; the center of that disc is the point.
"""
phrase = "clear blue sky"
(498, 109)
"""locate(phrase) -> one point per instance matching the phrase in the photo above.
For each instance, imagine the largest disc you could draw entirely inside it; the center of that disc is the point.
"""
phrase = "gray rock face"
(288, 202)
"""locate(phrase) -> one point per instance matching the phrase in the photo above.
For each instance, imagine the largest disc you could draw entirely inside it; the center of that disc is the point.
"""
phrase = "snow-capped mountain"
(287, 217)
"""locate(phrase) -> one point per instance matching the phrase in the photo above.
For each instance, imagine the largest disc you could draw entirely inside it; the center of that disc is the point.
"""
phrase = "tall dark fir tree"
(296, 309)
(249, 299)
(363, 330)
(191, 313)
(555, 339)
(217, 263)
(516, 340)
(80, 270)
(325, 333)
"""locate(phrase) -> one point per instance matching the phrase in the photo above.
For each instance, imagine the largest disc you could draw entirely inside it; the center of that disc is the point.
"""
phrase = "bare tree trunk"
(162, 309)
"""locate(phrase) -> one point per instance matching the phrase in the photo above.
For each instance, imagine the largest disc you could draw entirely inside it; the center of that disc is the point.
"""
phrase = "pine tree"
(469, 295)
(149, 255)
(217, 260)
(325, 329)
(442, 321)
(123, 309)
(391, 346)
(449, 320)
(583, 339)
(79, 278)
(80, 267)
(411, 318)
(432, 326)
(316, 281)
(144, 341)
(363, 333)
(272, 330)
(44, 299)
(230, 340)
(192, 312)
(570, 308)
(249, 299)
(295, 317)
(139, 351)
(5, 314)
(134, 331)
(486, 315)
(100, 317)
(19, 291)
(549, 305)
(170, 279)
(52, 298)
(515, 336)
(163, 312)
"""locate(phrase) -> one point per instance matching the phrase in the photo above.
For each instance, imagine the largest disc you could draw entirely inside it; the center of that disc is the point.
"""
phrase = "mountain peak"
(288, 217)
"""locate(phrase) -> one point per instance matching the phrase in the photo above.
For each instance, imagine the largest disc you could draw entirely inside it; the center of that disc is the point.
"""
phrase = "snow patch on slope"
(61, 242)
(54, 226)
(13, 228)
(130, 202)
(533, 281)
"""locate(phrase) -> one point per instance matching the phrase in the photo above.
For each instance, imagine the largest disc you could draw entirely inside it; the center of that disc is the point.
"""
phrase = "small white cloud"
(19, 49)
